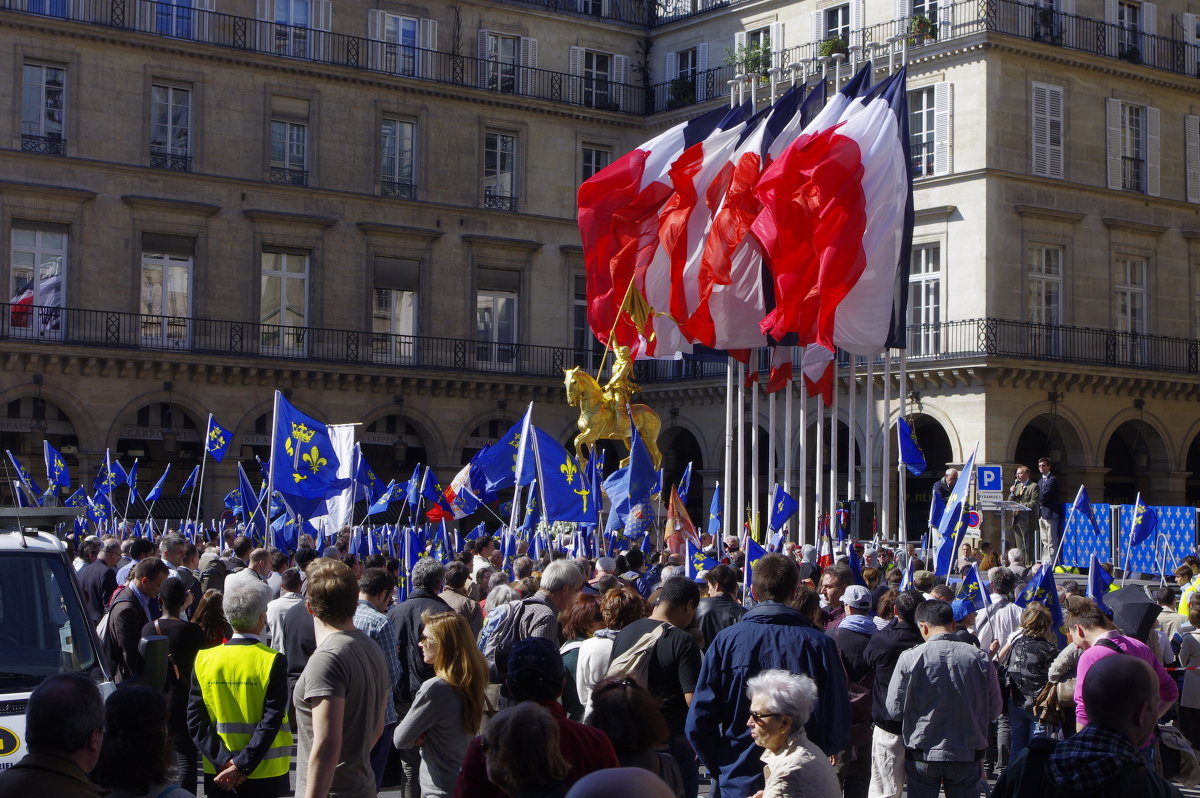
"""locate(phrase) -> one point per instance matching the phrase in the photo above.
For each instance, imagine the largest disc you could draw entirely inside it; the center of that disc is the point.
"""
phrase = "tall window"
(396, 173)
(686, 64)
(760, 38)
(38, 275)
(403, 32)
(170, 128)
(925, 299)
(925, 8)
(1196, 300)
(293, 18)
(597, 72)
(503, 55)
(43, 109)
(1129, 296)
(499, 171)
(283, 302)
(1044, 298)
(1133, 147)
(1129, 25)
(595, 159)
(837, 22)
(394, 319)
(166, 302)
(496, 318)
(51, 8)
(921, 130)
(587, 349)
(173, 18)
(289, 152)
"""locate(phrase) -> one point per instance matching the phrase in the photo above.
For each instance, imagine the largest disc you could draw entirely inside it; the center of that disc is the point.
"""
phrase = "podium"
(1008, 511)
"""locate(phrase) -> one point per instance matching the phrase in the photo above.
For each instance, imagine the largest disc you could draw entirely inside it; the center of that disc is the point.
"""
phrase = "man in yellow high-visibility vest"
(237, 712)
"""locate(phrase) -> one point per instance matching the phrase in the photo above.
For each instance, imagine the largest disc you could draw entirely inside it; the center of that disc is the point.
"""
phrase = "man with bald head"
(1122, 700)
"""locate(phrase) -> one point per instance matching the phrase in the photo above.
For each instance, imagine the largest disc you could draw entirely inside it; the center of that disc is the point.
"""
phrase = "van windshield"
(42, 625)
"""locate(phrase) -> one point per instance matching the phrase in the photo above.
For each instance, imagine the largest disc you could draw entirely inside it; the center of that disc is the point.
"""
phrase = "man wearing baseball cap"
(852, 636)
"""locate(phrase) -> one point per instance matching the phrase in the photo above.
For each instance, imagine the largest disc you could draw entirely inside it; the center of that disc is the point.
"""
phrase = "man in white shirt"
(289, 596)
(994, 623)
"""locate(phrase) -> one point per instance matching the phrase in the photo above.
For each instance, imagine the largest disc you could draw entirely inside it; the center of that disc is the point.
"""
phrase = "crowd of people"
(558, 676)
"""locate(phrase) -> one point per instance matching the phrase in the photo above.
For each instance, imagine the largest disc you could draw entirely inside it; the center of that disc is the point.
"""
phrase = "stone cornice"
(401, 231)
(286, 217)
(1053, 214)
(496, 242)
(941, 213)
(1134, 226)
(163, 203)
(46, 190)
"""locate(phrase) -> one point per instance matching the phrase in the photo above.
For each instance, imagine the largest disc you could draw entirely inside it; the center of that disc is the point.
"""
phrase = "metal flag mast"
(802, 526)
(885, 476)
(727, 498)
(901, 471)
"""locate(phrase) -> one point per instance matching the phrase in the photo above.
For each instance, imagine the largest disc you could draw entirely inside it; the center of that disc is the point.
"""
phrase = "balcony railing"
(397, 189)
(971, 339)
(174, 162)
(499, 202)
(955, 21)
(284, 176)
(44, 145)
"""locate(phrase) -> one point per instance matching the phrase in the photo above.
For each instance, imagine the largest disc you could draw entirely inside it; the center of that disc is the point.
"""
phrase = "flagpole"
(741, 456)
(869, 429)
(271, 474)
(199, 486)
(885, 477)
(728, 481)
(834, 429)
(818, 470)
(754, 441)
(787, 432)
(1129, 546)
(129, 494)
(852, 436)
(772, 440)
(802, 522)
(520, 466)
(901, 471)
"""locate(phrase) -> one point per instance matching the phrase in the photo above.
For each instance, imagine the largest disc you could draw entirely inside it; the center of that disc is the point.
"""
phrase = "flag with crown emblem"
(1041, 588)
(57, 473)
(698, 561)
(568, 495)
(216, 439)
(783, 507)
(303, 460)
(368, 485)
(26, 480)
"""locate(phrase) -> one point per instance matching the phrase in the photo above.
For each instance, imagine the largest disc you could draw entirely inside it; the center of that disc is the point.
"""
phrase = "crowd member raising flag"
(953, 524)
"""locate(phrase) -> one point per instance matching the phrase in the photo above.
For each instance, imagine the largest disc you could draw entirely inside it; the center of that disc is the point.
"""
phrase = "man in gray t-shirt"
(341, 693)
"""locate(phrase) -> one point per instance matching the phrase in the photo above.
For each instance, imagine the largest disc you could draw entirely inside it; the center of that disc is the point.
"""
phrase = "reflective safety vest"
(233, 681)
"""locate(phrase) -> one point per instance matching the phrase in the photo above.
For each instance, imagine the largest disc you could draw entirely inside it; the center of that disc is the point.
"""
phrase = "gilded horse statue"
(602, 416)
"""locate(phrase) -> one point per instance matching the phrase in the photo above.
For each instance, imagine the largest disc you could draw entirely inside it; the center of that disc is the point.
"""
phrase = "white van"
(43, 627)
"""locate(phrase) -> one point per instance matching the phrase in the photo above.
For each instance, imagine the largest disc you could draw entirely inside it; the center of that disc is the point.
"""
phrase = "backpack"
(499, 644)
(1029, 666)
(634, 662)
(103, 624)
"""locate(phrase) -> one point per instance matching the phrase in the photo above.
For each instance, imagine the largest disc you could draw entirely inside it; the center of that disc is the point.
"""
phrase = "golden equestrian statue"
(602, 411)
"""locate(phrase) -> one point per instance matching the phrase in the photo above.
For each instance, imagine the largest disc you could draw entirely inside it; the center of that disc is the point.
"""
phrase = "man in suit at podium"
(1024, 491)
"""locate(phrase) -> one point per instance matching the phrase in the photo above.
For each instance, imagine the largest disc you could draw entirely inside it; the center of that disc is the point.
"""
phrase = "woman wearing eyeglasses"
(780, 703)
(448, 709)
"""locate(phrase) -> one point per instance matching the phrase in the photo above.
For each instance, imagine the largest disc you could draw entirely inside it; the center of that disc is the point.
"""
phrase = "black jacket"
(881, 653)
(406, 623)
(98, 582)
(1049, 497)
(716, 613)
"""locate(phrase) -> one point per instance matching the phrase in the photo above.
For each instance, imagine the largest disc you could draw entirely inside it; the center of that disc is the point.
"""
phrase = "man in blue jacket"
(772, 635)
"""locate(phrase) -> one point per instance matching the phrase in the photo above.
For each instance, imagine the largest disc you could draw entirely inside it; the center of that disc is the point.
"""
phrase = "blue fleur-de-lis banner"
(1177, 524)
(1081, 541)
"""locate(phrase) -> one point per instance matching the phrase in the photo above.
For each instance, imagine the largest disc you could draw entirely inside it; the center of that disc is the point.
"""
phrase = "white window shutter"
(265, 12)
(575, 67)
(375, 50)
(701, 69)
(620, 78)
(1110, 17)
(1066, 24)
(739, 40)
(671, 67)
(1150, 19)
(1047, 111)
(204, 19)
(481, 53)
(901, 17)
(1112, 114)
(427, 41)
(605, 8)
(857, 14)
(943, 128)
(323, 23)
(1153, 153)
(776, 34)
(818, 26)
(528, 64)
(1191, 143)
(1189, 38)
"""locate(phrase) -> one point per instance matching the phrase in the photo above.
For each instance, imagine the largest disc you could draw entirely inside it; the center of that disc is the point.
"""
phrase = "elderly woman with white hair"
(780, 703)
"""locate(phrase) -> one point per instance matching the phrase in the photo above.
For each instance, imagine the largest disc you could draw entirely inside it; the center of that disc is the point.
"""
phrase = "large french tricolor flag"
(618, 215)
(836, 220)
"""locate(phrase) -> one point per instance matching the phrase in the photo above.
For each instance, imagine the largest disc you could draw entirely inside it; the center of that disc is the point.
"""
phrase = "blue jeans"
(681, 751)
(958, 779)
(1024, 727)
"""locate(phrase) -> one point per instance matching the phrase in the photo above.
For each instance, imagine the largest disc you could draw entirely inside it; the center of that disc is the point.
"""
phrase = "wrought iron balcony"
(971, 339)
(174, 162)
(498, 202)
(43, 145)
(397, 189)
(289, 177)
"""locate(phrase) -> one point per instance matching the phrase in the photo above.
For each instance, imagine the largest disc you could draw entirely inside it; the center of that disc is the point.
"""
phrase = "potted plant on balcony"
(682, 92)
(833, 46)
(749, 58)
(921, 28)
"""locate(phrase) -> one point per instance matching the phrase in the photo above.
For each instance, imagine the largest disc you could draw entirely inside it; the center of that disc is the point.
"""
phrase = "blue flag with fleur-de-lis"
(77, 499)
(25, 479)
(783, 507)
(57, 473)
(567, 492)
(698, 561)
(217, 439)
(303, 461)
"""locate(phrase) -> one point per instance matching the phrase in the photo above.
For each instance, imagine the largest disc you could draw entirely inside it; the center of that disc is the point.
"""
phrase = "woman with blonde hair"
(448, 708)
